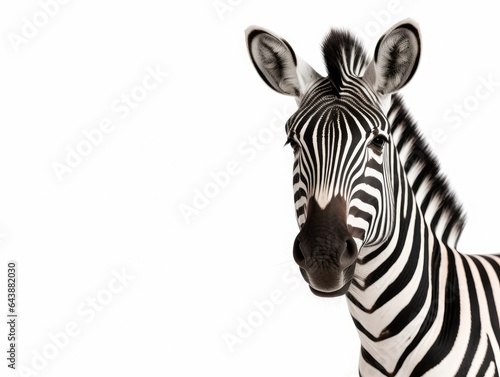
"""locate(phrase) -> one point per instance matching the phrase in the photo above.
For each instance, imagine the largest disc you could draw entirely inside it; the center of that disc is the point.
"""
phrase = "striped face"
(343, 199)
(342, 174)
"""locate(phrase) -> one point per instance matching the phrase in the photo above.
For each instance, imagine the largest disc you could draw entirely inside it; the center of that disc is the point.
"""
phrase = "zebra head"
(340, 136)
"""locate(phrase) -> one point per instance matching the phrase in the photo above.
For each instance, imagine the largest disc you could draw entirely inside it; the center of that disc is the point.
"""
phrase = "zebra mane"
(437, 201)
(345, 56)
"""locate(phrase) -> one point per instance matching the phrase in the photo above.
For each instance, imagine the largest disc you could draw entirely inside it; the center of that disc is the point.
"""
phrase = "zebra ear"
(396, 58)
(277, 64)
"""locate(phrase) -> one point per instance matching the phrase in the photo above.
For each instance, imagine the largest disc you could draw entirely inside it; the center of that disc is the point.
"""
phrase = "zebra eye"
(295, 146)
(379, 141)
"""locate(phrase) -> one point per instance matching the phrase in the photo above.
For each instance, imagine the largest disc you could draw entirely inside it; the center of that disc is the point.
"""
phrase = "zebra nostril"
(349, 254)
(298, 256)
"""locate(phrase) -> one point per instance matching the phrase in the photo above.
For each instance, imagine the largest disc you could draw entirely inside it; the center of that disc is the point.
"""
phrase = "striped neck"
(396, 287)
(390, 291)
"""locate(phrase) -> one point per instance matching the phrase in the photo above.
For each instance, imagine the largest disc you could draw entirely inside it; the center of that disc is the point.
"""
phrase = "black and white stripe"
(361, 166)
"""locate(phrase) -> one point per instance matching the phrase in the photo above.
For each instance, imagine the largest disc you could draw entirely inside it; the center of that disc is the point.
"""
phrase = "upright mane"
(345, 58)
(436, 199)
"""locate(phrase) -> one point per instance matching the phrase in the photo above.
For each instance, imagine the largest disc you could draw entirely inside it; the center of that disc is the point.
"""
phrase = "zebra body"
(377, 219)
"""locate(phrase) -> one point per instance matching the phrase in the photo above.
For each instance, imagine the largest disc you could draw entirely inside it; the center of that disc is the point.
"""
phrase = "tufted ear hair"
(277, 64)
(395, 59)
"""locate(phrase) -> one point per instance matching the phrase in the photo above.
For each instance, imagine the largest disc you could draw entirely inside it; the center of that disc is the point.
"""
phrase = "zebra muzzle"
(324, 250)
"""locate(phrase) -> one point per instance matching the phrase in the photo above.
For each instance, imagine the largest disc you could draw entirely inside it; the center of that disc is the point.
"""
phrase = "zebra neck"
(391, 292)
(391, 297)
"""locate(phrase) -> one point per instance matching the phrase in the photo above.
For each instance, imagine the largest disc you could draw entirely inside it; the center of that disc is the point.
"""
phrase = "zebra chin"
(324, 249)
(329, 287)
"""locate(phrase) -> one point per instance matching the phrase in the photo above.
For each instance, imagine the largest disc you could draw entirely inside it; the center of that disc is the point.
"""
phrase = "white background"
(195, 281)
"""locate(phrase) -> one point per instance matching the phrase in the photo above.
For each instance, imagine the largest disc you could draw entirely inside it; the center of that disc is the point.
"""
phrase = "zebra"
(377, 219)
